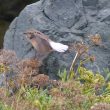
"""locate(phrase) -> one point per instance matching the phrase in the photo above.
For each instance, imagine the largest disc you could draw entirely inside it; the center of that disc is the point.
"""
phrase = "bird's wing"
(59, 47)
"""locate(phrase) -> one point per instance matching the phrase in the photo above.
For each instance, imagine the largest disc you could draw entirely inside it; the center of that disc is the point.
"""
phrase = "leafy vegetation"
(4, 107)
(80, 89)
(87, 91)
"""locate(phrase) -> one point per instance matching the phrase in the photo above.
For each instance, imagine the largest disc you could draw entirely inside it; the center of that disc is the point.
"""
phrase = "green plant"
(38, 98)
(107, 74)
(4, 107)
(63, 75)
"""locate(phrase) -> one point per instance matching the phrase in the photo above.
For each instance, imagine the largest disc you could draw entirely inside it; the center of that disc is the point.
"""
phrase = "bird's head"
(33, 33)
(30, 34)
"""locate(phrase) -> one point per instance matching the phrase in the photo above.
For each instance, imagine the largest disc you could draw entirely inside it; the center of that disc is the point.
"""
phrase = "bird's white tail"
(59, 47)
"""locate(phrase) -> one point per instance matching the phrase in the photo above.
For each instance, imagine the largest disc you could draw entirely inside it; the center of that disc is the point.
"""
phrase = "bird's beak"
(25, 33)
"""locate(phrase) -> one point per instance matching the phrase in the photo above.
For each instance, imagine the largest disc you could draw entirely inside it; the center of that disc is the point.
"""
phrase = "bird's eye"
(38, 32)
(31, 37)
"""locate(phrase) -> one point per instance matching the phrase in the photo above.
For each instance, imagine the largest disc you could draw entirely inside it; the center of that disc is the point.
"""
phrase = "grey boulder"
(63, 21)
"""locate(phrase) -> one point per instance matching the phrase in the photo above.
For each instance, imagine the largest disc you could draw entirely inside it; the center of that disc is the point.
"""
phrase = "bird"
(43, 44)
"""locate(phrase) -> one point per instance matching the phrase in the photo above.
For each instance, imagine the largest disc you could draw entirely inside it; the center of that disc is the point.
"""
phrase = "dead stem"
(73, 62)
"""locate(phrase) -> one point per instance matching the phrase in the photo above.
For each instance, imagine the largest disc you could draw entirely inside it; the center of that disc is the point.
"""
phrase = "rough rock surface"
(64, 21)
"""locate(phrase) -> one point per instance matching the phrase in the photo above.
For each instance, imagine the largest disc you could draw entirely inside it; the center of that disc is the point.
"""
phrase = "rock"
(63, 21)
